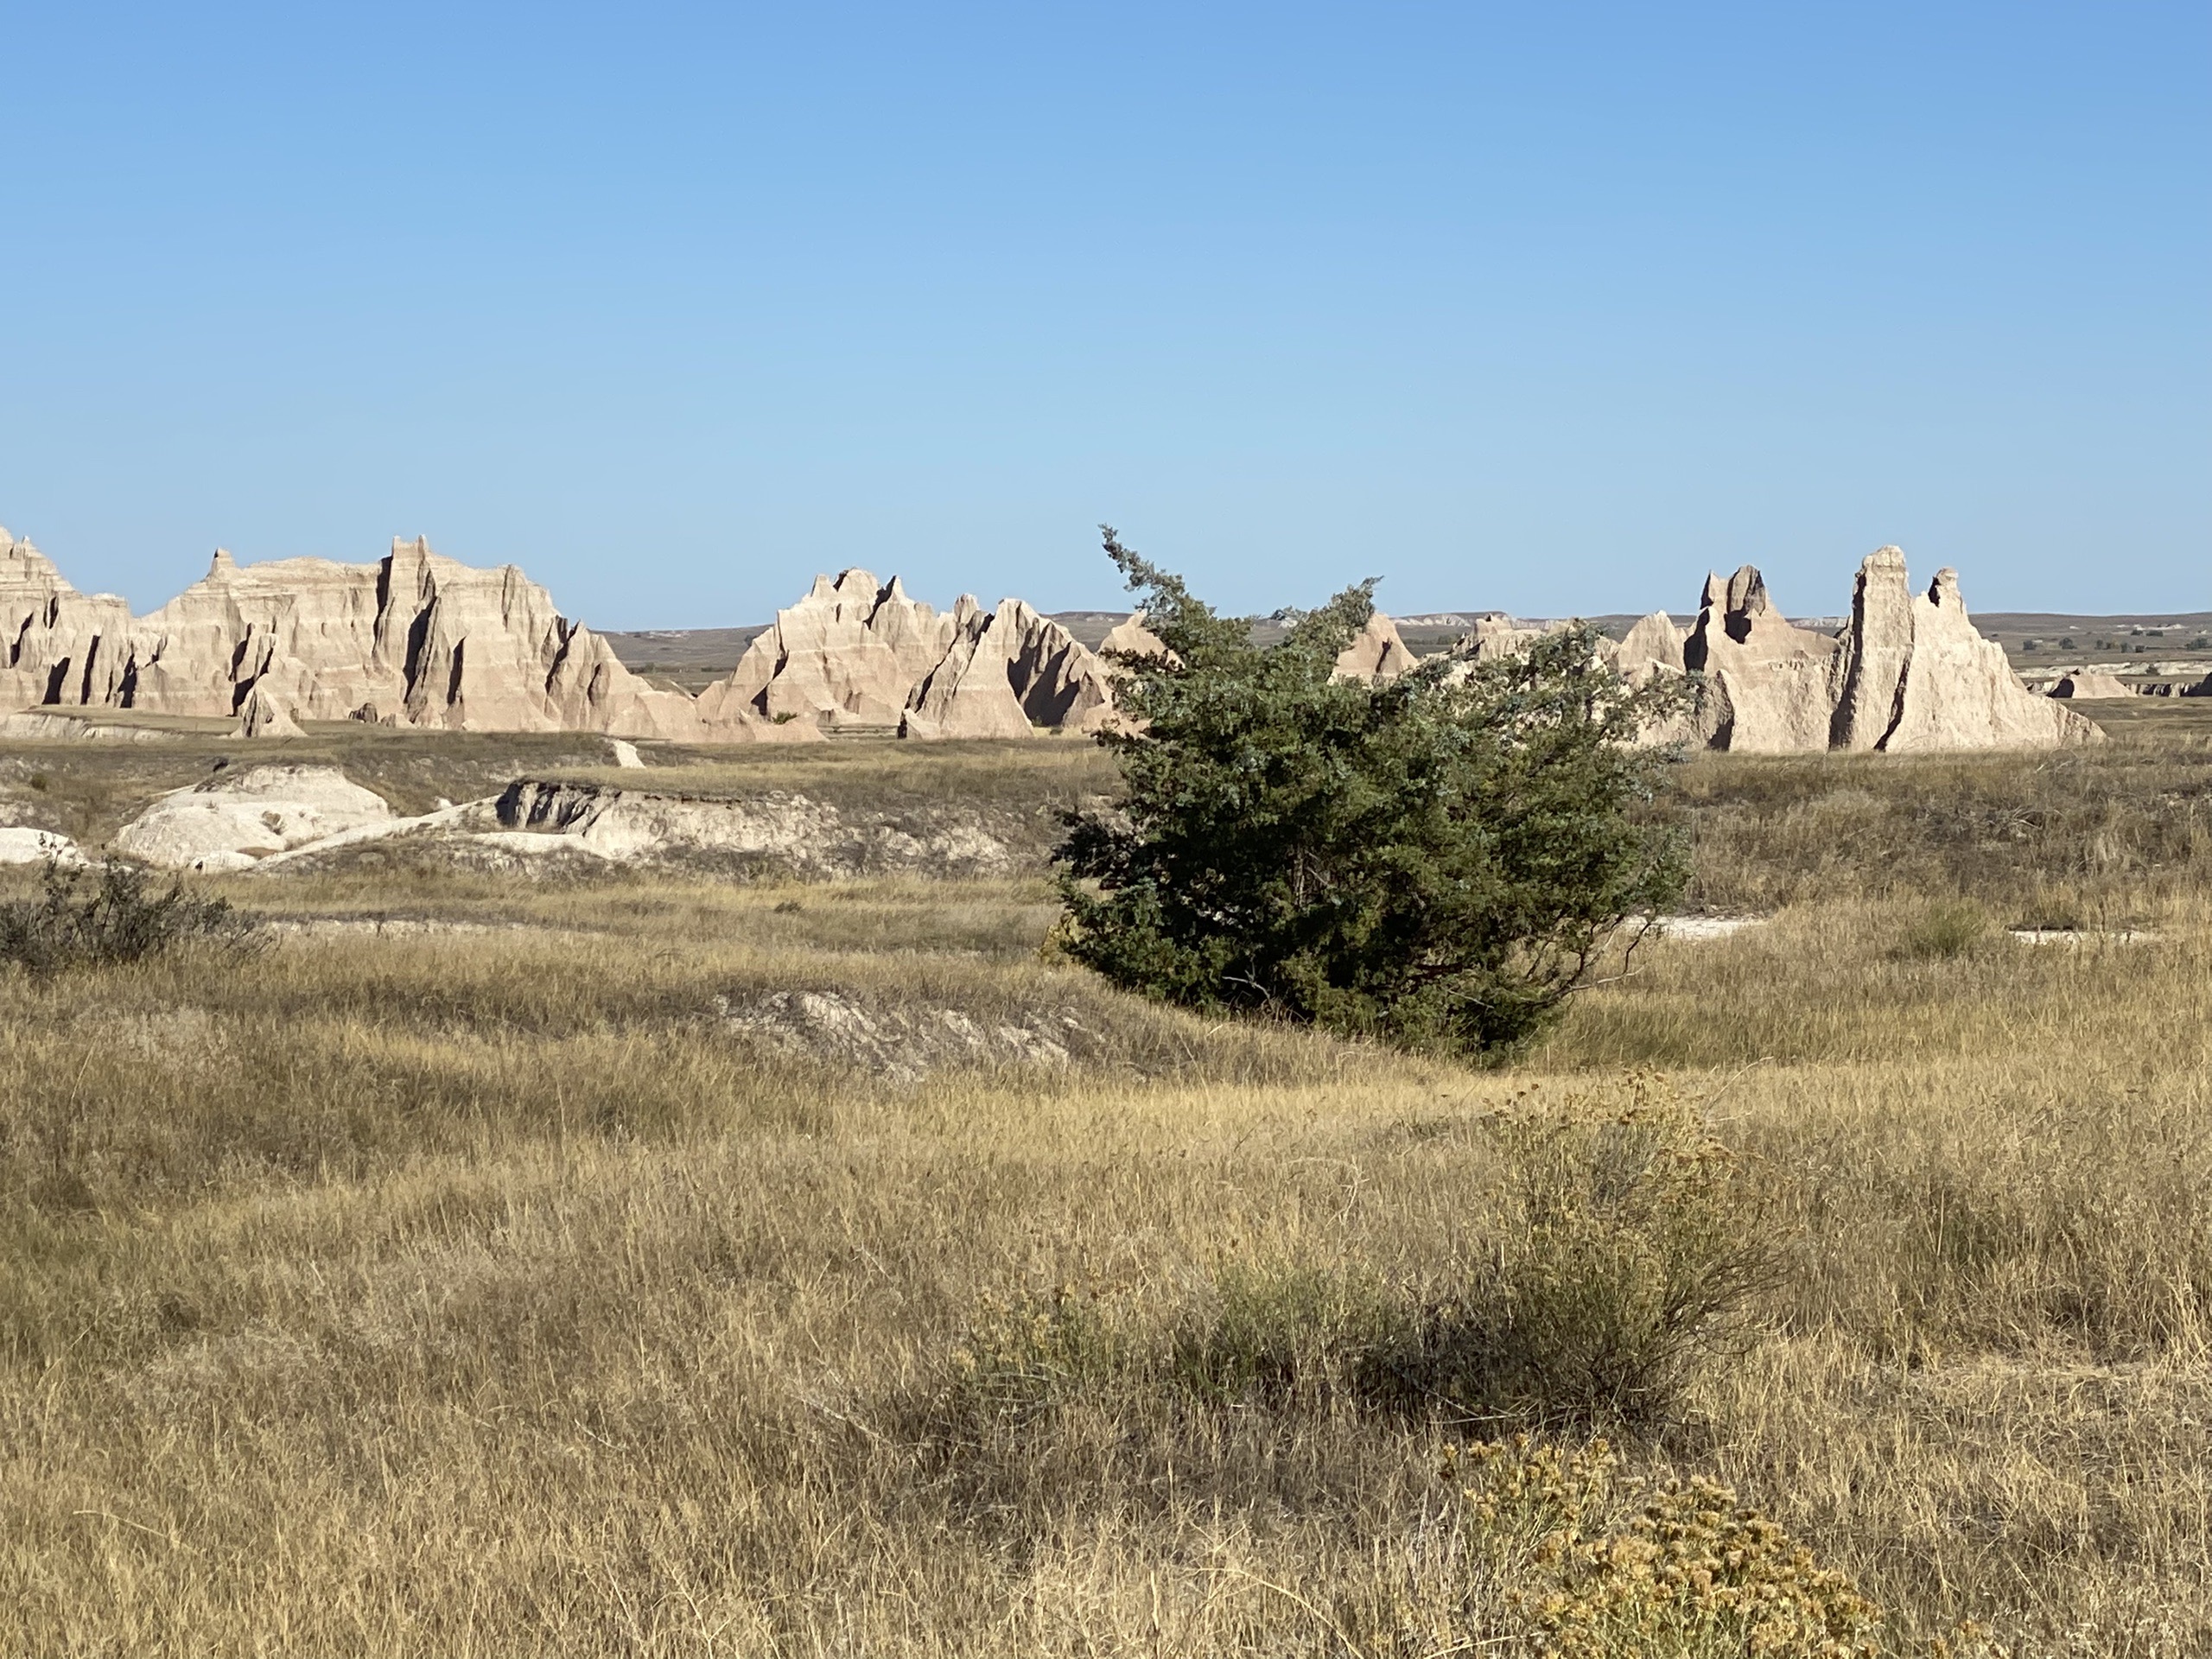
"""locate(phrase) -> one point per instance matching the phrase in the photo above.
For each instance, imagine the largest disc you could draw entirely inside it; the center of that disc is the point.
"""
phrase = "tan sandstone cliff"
(413, 639)
(1908, 673)
(857, 653)
(419, 641)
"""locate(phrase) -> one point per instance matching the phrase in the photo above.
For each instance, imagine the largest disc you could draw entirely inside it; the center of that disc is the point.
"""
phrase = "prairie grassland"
(489, 1288)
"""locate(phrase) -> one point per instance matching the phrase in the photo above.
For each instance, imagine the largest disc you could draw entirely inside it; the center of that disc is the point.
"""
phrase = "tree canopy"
(1436, 861)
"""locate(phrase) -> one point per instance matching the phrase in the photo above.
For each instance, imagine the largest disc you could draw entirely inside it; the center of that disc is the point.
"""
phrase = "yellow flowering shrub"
(1542, 1549)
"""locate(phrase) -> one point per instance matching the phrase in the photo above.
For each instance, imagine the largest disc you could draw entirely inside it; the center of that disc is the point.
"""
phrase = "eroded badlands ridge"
(1908, 674)
(417, 639)
(420, 640)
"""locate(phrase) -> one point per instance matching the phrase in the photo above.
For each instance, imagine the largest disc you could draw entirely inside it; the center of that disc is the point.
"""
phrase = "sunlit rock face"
(856, 652)
(57, 645)
(413, 639)
(420, 640)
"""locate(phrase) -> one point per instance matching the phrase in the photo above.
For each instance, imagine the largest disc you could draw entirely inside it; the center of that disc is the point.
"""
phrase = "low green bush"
(1282, 1335)
(1020, 1355)
(117, 916)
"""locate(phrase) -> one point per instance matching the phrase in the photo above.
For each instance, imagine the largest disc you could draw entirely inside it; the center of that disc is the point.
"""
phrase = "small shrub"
(1627, 1252)
(1620, 1250)
(1557, 1555)
(1947, 931)
(1018, 1356)
(1296, 1335)
(120, 920)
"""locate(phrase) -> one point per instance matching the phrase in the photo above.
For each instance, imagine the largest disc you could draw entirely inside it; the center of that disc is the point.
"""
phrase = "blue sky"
(1544, 309)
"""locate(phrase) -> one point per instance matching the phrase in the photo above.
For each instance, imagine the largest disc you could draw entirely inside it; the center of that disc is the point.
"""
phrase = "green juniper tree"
(1436, 861)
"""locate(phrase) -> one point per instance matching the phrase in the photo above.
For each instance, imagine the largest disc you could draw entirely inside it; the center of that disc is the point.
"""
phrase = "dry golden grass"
(480, 1291)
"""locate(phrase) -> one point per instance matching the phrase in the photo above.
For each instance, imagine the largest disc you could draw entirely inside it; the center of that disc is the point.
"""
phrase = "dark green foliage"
(120, 920)
(1436, 861)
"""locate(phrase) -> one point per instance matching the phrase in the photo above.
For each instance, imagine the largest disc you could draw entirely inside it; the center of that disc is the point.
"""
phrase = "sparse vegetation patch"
(116, 915)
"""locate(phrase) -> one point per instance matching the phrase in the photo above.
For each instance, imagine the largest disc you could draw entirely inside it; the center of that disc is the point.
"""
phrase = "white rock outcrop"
(1652, 646)
(1131, 638)
(1766, 680)
(43, 726)
(57, 645)
(21, 844)
(423, 641)
(264, 716)
(1912, 675)
(232, 822)
(1908, 673)
(813, 837)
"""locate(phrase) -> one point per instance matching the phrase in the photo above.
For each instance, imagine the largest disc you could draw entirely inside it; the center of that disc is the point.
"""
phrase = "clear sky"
(1543, 307)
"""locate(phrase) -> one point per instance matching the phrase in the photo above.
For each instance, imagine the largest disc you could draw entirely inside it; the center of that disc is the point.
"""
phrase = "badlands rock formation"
(420, 640)
(2091, 683)
(413, 639)
(1908, 673)
(423, 641)
(781, 829)
(1766, 680)
(856, 652)
(21, 844)
(1913, 675)
(1375, 652)
(232, 823)
(1653, 646)
(1132, 638)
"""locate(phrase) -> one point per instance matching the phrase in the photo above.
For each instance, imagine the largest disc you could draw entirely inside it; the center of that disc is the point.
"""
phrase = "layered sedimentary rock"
(1375, 652)
(1653, 646)
(1766, 680)
(413, 639)
(231, 823)
(57, 645)
(1912, 675)
(847, 653)
(2091, 683)
(1495, 635)
(971, 693)
(264, 717)
(21, 844)
(1131, 638)
(419, 641)
(1908, 673)
(856, 652)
